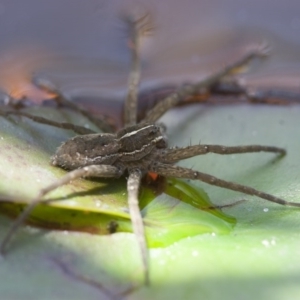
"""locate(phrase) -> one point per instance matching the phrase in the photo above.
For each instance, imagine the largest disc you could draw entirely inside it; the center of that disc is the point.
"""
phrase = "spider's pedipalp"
(133, 185)
(180, 172)
(173, 155)
(88, 171)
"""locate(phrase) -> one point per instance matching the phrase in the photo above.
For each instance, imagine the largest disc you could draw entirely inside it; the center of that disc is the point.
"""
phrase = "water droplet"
(265, 209)
(162, 262)
(266, 243)
(98, 203)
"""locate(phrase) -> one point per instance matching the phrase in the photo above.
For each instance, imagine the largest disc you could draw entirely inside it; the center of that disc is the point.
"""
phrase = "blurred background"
(81, 46)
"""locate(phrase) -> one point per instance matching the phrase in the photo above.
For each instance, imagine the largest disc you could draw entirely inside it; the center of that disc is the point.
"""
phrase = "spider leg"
(256, 95)
(180, 172)
(133, 185)
(175, 98)
(137, 29)
(223, 92)
(64, 125)
(224, 205)
(70, 272)
(130, 110)
(67, 270)
(273, 96)
(88, 171)
(45, 85)
(173, 155)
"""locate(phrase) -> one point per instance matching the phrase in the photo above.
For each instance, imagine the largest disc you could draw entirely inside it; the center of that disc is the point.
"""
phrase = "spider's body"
(135, 146)
(138, 148)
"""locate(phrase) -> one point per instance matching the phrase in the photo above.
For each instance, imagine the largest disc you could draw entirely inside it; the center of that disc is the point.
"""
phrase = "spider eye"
(153, 131)
(162, 143)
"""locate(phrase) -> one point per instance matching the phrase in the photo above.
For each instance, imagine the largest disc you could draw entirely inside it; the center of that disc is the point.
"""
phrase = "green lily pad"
(83, 200)
(259, 253)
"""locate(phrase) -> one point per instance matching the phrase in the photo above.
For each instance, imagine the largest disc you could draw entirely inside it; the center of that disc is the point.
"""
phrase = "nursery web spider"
(138, 148)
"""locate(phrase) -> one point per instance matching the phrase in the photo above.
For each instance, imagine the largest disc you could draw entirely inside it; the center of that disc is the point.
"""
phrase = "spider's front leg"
(105, 171)
(45, 85)
(137, 29)
(180, 172)
(133, 185)
(175, 98)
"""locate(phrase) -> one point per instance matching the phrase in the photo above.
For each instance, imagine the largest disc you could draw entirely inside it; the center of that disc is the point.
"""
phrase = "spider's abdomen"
(134, 145)
(90, 149)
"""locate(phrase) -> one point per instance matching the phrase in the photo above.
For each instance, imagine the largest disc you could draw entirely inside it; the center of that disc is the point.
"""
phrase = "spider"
(138, 148)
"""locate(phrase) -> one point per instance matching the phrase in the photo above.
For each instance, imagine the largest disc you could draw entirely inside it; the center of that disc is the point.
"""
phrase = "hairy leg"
(224, 205)
(133, 185)
(137, 29)
(180, 172)
(175, 154)
(70, 272)
(47, 86)
(175, 98)
(77, 129)
(224, 92)
(271, 95)
(89, 171)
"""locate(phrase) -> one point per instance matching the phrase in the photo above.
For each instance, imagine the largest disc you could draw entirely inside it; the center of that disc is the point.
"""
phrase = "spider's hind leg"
(64, 125)
(180, 172)
(189, 90)
(257, 95)
(102, 123)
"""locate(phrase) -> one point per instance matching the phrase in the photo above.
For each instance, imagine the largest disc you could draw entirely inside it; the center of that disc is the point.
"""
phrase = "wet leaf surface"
(25, 156)
(263, 244)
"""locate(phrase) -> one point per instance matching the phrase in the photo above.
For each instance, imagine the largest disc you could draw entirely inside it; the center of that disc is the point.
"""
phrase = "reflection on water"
(81, 46)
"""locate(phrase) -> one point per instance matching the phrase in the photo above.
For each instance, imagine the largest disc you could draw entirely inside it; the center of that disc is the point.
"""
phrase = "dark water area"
(82, 46)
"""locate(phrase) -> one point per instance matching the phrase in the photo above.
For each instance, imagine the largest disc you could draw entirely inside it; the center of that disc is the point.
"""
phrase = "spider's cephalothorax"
(138, 148)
